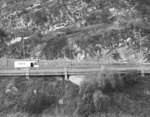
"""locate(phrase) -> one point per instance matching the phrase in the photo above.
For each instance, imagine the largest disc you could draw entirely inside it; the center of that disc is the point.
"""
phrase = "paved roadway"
(59, 71)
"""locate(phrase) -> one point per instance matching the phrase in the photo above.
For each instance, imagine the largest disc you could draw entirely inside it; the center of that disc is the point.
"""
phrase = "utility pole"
(23, 49)
(141, 56)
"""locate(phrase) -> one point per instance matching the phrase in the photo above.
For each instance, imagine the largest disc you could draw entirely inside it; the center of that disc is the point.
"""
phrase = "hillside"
(69, 32)
(82, 29)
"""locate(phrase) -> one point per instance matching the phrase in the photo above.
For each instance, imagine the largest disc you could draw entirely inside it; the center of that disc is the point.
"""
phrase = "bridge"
(65, 71)
(69, 68)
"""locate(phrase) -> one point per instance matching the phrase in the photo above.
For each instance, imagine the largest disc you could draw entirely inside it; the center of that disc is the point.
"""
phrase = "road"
(59, 71)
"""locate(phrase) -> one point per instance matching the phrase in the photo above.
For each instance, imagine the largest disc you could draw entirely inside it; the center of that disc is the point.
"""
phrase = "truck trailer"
(26, 64)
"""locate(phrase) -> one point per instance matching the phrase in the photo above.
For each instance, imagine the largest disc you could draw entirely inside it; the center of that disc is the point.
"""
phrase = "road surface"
(60, 71)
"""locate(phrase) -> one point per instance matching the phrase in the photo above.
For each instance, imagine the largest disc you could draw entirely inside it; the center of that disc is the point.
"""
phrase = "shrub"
(30, 96)
(102, 94)
(98, 93)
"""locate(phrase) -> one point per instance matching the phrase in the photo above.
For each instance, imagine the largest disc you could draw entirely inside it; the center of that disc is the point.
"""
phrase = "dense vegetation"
(103, 94)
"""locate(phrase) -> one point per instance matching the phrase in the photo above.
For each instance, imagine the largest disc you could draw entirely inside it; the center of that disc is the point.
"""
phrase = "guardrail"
(61, 71)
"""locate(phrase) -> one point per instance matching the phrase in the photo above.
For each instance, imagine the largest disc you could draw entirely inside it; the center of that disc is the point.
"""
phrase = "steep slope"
(88, 28)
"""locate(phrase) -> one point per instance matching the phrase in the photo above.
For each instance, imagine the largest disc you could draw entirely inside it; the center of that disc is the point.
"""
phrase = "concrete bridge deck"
(61, 71)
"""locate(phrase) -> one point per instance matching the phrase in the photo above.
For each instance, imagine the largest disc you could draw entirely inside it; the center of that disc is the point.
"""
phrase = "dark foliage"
(55, 48)
(111, 94)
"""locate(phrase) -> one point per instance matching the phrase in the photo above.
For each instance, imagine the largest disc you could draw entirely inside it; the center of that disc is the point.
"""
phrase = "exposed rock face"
(97, 28)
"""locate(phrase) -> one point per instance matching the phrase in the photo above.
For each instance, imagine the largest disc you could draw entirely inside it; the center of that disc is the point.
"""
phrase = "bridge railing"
(9, 63)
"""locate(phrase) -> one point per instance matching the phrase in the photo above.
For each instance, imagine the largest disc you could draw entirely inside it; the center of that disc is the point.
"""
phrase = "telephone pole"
(23, 49)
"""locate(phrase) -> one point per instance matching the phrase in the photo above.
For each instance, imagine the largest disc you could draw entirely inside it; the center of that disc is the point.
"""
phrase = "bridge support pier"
(66, 74)
(142, 71)
(28, 74)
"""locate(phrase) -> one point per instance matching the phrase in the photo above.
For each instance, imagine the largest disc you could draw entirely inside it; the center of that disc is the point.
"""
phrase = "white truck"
(26, 64)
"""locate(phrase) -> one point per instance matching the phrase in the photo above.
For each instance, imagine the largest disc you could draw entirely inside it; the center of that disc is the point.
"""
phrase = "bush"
(30, 96)
(105, 92)
(101, 94)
